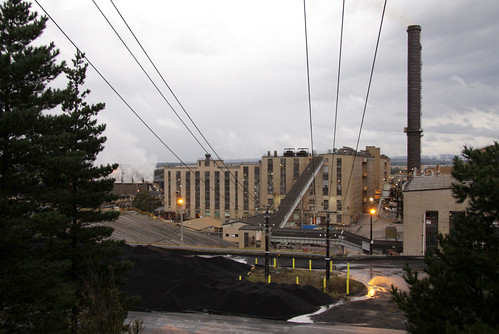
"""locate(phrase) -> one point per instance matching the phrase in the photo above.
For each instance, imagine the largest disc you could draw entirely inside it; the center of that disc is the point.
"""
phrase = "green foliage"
(146, 202)
(459, 291)
(34, 294)
(478, 179)
(51, 190)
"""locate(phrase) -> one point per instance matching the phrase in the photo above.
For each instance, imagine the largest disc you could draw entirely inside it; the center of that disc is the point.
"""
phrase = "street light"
(180, 202)
(371, 213)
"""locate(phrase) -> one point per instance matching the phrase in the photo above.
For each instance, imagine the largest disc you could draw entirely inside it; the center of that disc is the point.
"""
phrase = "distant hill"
(444, 159)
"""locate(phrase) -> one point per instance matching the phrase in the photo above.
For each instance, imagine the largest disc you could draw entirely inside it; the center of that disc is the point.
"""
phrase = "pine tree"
(460, 291)
(57, 264)
(76, 188)
(34, 294)
(146, 202)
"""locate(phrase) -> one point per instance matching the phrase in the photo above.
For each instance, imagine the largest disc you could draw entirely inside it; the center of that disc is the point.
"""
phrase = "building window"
(270, 176)
(169, 189)
(227, 190)
(325, 180)
(338, 176)
(197, 190)
(283, 176)
(326, 204)
(178, 185)
(187, 189)
(207, 190)
(257, 186)
(338, 205)
(296, 169)
(217, 190)
(237, 192)
(431, 230)
(338, 218)
(245, 188)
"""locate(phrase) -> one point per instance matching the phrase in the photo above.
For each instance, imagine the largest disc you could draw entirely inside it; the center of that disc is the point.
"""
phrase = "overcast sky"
(239, 69)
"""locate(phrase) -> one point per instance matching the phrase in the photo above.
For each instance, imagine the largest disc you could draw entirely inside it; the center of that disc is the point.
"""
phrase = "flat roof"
(420, 183)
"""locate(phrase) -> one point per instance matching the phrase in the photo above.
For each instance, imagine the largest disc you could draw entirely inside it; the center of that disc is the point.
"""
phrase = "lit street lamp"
(180, 201)
(371, 213)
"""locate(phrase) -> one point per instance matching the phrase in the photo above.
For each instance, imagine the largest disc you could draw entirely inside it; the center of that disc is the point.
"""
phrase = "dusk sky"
(239, 69)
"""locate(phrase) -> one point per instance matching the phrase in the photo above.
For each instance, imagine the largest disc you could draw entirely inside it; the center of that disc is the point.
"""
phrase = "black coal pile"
(169, 281)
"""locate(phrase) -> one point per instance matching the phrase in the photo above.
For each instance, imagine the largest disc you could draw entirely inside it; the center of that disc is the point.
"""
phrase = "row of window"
(215, 186)
(245, 185)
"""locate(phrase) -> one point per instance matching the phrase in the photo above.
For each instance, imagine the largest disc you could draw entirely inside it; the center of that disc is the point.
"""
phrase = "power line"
(308, 77)
(309, 98)
(120, 96)
(338, 79)
(367, 95)
(236, 182)
(147, 75)
(163, 79)
(338, 93)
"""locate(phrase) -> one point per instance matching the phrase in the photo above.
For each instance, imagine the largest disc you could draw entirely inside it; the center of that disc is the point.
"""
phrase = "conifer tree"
(34, 295)
(76, 188)
(57, 266)
(460, 291)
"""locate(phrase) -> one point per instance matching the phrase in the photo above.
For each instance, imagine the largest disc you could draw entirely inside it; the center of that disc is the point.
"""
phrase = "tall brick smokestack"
(414, 131)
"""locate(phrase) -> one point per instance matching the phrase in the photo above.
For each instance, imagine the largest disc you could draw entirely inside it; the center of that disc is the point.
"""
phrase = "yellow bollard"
(324, 284)
(269, 280)
(348, 278)
(293, 263)
(331, 266)
(297, 280)
(310, 265)
(256, 260)
(275, 262)
(239, 277)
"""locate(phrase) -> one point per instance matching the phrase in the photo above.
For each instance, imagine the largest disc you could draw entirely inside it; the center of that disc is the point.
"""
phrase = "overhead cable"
(119, 95)
(236, 182)
(367, 95)
(309, 98)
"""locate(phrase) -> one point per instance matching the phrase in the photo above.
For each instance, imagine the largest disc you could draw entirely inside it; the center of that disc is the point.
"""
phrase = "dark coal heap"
(169, 281)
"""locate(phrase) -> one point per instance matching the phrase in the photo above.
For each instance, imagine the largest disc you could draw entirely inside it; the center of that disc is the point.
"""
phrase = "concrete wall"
(416, 203)
(231, 231)
(256, 239)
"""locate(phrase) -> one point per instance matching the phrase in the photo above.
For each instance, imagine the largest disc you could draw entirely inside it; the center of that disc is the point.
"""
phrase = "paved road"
(200, 323)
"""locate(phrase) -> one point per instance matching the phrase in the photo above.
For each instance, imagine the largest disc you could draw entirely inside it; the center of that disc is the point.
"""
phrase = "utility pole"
(267, 237)
(328, 259)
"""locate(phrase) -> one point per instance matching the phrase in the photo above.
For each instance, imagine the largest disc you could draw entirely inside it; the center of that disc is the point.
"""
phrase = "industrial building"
(297, 187)
(428, 211)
